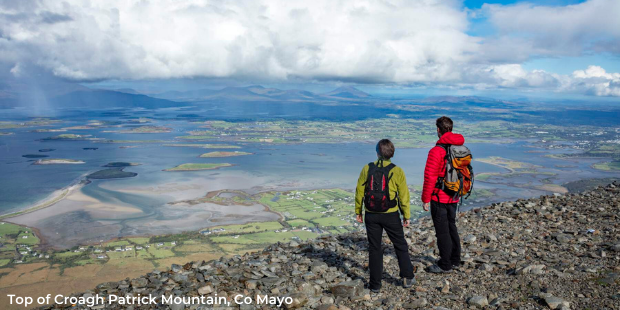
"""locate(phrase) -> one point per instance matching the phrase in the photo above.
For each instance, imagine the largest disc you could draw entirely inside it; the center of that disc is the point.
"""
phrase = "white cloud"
(557, 30)
(594, 80)
(367, 41)
(374, 41)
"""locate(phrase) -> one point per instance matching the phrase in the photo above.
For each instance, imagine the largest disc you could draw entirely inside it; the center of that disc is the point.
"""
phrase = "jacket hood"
(451, 138)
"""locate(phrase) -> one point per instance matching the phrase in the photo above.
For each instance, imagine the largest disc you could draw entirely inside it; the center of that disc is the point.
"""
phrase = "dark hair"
(385, 149)
(444, 124)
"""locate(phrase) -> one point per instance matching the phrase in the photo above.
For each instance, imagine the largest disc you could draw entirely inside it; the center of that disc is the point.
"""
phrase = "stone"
(533, 269)
(299, 300)
(307, 289)
(207, 289)
(416, 304)
(469, 239)
(556, 302)
(251, 284)
(491, 238)
(327, 300)
(562, 238)
(348, 288)
(319, 267)
(486, 267)
(478, 301)
(139, 282)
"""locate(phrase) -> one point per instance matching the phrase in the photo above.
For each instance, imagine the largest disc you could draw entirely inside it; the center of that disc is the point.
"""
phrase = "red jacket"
(436, 166)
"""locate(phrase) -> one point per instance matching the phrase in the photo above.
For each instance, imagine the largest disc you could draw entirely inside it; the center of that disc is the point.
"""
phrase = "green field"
(118, 243)
(138, 240)
(608, 166)
(27, 238)
(8, 228)
(252, 227)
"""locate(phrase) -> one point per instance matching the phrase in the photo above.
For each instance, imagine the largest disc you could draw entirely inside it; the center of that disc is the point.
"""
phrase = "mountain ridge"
(258, 92)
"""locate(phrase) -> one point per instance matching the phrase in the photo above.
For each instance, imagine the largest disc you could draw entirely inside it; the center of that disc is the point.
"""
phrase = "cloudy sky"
(558, 47)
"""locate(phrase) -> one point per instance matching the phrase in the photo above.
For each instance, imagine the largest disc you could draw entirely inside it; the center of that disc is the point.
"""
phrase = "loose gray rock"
(556, 302)
(566, 244)
(478, 301)
(416, 304)
(469, 239)
(348, 289)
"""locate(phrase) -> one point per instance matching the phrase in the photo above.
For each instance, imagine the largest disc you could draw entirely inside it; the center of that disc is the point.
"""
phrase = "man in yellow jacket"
(382, 191)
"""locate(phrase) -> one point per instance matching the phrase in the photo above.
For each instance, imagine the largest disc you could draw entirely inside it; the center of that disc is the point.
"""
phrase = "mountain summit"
(557, 251)
(347, 92)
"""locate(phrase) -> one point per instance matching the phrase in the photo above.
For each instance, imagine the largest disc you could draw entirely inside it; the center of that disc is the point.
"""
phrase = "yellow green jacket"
(398, 184)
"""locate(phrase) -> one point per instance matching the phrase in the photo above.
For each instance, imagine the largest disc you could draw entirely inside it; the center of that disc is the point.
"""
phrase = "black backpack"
(377, 193)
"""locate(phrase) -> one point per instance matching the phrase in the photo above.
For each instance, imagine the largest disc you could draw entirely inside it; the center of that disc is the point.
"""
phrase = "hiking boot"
(436, 269)
(375, 290)
(457, 267)
(407, 283)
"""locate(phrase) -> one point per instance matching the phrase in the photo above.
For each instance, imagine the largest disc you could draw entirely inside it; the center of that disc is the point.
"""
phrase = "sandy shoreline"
(53, 198)
(79, 215)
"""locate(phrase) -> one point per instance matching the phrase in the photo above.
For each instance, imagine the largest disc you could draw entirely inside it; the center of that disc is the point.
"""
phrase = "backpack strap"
(371, 170)
(446, 147)
(439, 184)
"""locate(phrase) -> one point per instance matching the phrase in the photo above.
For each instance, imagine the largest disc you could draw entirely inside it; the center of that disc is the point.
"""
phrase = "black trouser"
(375, 224)
(448, 241)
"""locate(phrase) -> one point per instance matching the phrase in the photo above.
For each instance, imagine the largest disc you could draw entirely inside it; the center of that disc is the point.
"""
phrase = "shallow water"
(272, 167)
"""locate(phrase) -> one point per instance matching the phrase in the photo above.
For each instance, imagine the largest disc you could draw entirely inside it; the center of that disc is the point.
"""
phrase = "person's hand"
(360, 218)
(406, 223)
(427, 206)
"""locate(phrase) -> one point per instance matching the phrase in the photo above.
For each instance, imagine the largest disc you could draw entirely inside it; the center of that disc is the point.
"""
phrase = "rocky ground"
(558, 252)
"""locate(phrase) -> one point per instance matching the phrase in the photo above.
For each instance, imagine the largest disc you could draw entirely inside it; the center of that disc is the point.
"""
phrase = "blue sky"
(558, 64)
(476, 4)
(545, 48)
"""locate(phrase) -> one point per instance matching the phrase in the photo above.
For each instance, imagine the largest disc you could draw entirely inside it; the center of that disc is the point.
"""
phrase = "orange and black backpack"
(458, 180)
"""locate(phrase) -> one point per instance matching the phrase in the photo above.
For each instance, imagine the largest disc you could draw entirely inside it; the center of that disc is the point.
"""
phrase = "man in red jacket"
(442, 206)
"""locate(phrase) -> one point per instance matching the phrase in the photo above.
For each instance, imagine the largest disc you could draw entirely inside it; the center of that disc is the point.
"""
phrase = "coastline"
(69, 210)
(53, 198)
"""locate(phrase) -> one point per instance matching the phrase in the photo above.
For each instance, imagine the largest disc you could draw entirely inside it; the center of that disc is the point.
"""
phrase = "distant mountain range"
(61, 94)
(260, 93)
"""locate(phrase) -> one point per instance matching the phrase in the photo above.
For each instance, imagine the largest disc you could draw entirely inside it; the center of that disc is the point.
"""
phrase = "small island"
(34, 156)
(146, 129)
(90, 148)
(70, 137)
(48, 130)
(224, 154)
(119, 164)
(206, 146)
(134, 141)
(198, 167)
(46, 150)
(5, 133)
(58, 161)
(112, 173)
